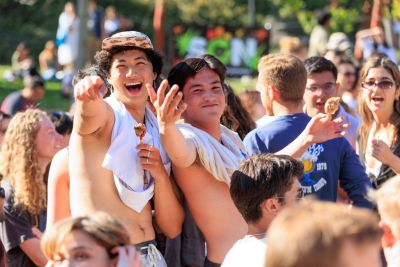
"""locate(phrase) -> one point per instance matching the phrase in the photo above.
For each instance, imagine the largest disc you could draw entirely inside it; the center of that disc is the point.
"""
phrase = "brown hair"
(99, 226)
(261, 177)
(286, 72)
(235, 116)
(249, 99)
(312, 234)
(366, 114)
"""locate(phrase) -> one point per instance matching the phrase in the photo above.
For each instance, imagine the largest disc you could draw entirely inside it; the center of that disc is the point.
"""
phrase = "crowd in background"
(253, 212)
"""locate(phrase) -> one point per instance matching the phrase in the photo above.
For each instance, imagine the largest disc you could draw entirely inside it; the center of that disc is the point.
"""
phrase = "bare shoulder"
(59, 167)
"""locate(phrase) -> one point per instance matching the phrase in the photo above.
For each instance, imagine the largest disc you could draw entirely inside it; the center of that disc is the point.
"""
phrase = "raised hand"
(169, 107)
(90, 88)
(321, 128)
(128, 256)
(381, 151)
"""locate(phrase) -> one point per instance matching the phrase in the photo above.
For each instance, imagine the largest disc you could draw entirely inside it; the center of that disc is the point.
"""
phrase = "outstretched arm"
(318, 130)
(169, 110)
(92, 112)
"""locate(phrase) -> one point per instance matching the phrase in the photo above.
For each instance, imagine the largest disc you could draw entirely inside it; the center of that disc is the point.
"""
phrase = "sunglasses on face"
(379, 84)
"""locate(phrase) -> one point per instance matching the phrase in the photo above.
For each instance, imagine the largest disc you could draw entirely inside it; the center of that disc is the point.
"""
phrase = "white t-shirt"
(393, 255)
(248, 251)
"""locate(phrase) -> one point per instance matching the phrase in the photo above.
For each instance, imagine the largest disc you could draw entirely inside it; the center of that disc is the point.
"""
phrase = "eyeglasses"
(381, 85)
(299, 196)
(326, 88)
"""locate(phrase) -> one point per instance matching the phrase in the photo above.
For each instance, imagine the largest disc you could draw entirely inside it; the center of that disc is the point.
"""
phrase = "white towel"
(221, 160)
(121, 158)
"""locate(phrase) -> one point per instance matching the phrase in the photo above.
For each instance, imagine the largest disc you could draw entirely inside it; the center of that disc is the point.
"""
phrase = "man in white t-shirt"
(260, 188)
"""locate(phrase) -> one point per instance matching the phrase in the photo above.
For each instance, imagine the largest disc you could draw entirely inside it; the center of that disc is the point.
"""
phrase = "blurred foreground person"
(94, 240)
(387, 198)
(324, 234)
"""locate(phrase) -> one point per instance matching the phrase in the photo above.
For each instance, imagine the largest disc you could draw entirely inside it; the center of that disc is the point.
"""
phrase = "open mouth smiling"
(377, 99)
(133, 87)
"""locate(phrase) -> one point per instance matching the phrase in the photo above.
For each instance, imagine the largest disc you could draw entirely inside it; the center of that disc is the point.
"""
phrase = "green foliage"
(218, 12)
(37, 23)
(345, 19)
(345, 14)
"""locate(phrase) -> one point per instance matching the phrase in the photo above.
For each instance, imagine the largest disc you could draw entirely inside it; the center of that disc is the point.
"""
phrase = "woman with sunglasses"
(379, 142)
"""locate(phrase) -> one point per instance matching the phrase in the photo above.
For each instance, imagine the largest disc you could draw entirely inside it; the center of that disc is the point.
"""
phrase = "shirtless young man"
(106, 159)
(204, 154)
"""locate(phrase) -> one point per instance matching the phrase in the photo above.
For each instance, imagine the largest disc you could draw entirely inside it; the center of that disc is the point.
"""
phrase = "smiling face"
(378, 100)
(78, 249)
(130, 71)
(204, 97)
(320, 87)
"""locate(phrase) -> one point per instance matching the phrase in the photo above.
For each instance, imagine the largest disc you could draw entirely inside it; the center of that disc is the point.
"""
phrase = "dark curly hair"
(103, 58)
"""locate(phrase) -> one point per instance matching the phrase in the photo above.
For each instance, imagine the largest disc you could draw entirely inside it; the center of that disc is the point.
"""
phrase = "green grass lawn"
(54, 101)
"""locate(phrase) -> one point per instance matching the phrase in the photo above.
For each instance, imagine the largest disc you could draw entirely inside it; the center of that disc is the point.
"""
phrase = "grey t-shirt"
(16, 229)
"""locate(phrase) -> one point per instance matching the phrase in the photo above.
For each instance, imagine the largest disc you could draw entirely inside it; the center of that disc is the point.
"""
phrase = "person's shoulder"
(14, 95)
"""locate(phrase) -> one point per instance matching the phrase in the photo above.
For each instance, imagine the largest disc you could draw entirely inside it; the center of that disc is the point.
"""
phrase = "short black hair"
(323, 17)
(188, 68)
(62, 122)
(33, 82)
(319, 64)
(261, 177)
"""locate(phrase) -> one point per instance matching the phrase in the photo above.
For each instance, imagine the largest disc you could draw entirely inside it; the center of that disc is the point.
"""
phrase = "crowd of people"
(181, 171)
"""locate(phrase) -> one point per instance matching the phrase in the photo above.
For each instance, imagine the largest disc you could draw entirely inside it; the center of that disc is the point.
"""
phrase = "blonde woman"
(94, 240)
(28, 147)
(379, 142)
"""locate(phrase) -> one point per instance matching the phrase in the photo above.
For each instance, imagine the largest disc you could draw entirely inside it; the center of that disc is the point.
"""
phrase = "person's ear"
(271, 206)
(274, 93)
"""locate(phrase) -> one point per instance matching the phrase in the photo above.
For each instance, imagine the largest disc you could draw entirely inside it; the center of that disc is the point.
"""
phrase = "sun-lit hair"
(286, 72)
(387, 197)
(314, 234)
(19, 161)
(103, 229)
(366, 114)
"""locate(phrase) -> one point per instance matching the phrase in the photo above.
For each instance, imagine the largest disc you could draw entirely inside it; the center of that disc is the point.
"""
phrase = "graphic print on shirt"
(314, 170)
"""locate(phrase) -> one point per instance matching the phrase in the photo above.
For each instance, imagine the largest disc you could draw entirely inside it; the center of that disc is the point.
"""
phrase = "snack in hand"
(331, 106)
(140, 131)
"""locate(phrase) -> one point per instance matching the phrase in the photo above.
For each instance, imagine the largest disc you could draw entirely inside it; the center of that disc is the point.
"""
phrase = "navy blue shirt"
(324, 163)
